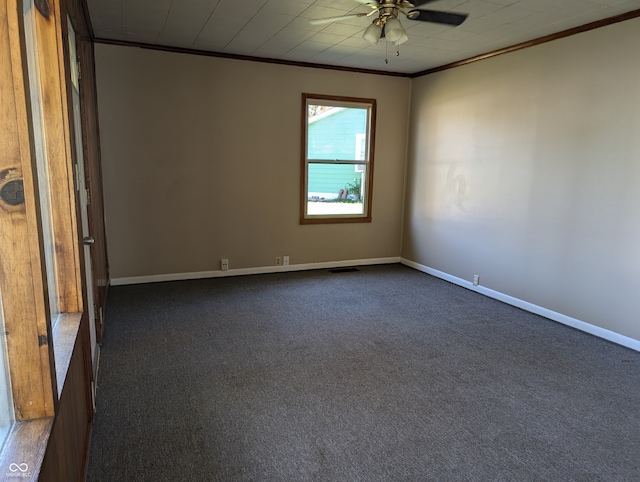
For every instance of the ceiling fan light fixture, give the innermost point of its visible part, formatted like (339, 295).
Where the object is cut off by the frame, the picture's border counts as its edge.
(373, 32)
(402, 39)
(393, 30)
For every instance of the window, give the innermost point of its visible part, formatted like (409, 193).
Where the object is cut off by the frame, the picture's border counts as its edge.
(337, 159)
(6, 403)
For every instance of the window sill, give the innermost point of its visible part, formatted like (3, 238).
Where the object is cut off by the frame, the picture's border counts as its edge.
(24, 450)
(27, 442)
(64, 339)
(329, 220)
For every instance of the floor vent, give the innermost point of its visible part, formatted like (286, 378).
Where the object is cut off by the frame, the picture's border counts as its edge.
(343, 270)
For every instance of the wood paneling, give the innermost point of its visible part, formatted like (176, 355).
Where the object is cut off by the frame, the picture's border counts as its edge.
(67, 451)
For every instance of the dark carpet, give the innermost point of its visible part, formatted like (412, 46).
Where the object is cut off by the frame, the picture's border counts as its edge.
(380, 374)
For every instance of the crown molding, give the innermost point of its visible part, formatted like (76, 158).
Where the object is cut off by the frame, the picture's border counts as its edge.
(532, 43)
(206, 53)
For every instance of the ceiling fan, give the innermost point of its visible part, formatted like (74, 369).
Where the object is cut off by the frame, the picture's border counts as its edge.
(387, 25)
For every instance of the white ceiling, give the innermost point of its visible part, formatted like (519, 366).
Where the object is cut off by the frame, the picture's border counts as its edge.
(280, 29)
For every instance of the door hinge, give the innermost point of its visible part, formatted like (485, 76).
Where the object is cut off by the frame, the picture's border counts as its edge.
(76, 177)
(93, 396)
(88, 195)
(79, 70)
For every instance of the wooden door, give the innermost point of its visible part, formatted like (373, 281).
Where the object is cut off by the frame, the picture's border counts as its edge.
(93, 174)
(84, 115)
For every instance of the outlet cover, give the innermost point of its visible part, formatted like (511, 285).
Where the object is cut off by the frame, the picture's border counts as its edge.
(285, 260)
(476, 279)
(224, 264)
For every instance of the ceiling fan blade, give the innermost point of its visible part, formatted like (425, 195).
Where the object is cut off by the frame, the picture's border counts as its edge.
(447, 18)
(418, 3)
(324, 21)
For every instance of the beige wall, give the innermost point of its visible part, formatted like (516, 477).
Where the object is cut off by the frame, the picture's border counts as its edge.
(525, 169)
(201, 160)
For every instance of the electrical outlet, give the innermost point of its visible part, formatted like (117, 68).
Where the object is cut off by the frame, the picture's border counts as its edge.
(278, 261)
(476, 279)
(285, 260)
(224, 264)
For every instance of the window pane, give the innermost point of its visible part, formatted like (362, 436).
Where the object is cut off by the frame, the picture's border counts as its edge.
(337, 159)
(335, 189)
(6, 403)
(337, 133)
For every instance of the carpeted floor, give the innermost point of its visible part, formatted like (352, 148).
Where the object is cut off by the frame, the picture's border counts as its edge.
(382, 374)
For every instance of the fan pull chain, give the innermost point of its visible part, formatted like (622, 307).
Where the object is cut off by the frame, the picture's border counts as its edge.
(386, 53)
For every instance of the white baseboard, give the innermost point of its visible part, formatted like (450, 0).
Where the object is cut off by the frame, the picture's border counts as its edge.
(247, 271)
(525, 305)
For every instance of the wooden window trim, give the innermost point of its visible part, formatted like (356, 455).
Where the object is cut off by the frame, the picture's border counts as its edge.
(303, 156)
(51, 62)
(23, 287)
